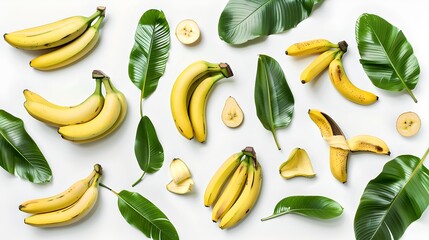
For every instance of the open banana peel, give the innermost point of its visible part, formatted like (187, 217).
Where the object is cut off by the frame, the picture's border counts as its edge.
(182, 182)
(297, 164)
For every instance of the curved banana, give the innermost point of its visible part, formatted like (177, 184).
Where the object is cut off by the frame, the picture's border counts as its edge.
(344, 86)
(70, 214)
(105, 120)
(220, 177)
(368, 143)
(231, 192)
(197, 106)
(56, 115)
(247, 198)
(318, 65)
(53, 34)
(310, 47)
(180, 90)
(71, 52)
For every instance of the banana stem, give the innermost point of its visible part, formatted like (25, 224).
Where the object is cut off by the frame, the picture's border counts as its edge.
(98, 23)
(139, 180)
(96, 14)
(106, 187)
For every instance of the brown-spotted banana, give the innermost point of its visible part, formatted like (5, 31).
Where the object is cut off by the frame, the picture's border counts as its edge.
(368, 143)
(181, 182)
(310, 47)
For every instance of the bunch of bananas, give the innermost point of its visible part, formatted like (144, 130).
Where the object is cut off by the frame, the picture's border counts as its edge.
(331, 55)
(235, 188)
(71, 38)
(189, 96)
(67, 207)
(92, 119)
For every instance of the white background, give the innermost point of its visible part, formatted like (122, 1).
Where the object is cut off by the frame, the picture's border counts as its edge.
(334, 20)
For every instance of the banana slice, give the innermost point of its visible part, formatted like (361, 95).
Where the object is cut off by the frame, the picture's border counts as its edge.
(232, 115)
(179, 171)
(408, 124)
(188, 32)
(181, 188)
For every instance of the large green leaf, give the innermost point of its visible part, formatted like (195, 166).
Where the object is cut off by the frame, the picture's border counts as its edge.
(19, 154)
(149, 55)
(386, 55)
(145, 216)
(244, 20)
(273, 98)
(393, 200)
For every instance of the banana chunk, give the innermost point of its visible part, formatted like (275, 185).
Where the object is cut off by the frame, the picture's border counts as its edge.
(232, 115)
(188, 32)
(408, 124)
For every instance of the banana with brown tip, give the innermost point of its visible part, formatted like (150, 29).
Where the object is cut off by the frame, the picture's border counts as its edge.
(368, 143)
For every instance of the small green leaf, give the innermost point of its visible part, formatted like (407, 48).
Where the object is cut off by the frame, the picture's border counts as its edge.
(309, 206)
(273, 98)
(19, 154)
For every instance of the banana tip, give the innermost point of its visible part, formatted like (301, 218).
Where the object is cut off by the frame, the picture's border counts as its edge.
(303, 82)
(286, 52)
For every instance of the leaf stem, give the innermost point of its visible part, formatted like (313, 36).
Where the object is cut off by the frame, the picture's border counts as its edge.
(141, 104)
(139, 180)
(412, 94)
(425, 155)
(274, 216)
(102, 185)
(275, 139)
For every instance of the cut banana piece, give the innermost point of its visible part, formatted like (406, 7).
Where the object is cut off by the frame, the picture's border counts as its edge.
(182, 187)
(179, 171)
(232, 115)
(188, 32)
(297, 164)
(408, 124)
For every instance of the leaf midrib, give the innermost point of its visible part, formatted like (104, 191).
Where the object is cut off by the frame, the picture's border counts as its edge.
(251, 14)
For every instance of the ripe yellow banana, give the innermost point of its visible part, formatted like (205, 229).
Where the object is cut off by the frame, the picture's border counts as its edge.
(197, 106)
(71, 52)
(70, 214)
(55, 115)
(368, 143)
(53, 34)
(318, 65)
(220, 177)
(180, 91)
(344, 86)
(61, 200)
(310, 47)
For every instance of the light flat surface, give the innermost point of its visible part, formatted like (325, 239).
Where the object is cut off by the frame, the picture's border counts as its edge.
(334, 20)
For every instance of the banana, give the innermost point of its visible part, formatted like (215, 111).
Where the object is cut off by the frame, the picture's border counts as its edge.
(310, 47)
(232, 115)
(71, 52)
(297, 164)
(338, 163)
(105, 120)
(247, 198)
(181, 188)
(231, 192)
(197, 106)
(180, 91)
(179, 171)
(61, 200)
(70, 214)
(53, 34)
(318, 65)
(220, 177)
(188, 32)
(345, 87)
(408, 124)
(368, 143)
(55, 115)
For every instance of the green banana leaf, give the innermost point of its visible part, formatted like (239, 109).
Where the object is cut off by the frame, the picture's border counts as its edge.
(147, 148)
(145, 216)
(310, 206)
(244, 20)
(273, 98)
(386, 55)
(19, 154)
(393, 200)
(149, 54)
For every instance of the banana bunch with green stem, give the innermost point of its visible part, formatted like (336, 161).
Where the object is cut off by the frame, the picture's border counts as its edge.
(189, 96)
(69, 40)
(234, 188)
(330, 58)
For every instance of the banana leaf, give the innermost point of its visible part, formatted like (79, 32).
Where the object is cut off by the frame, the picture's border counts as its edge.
(244, 20)
(386, 55)
(393, 200)
(273, 98)
(19, 154)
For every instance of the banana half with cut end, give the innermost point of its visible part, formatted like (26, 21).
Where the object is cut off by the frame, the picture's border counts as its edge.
(182, 182)
(232, 115)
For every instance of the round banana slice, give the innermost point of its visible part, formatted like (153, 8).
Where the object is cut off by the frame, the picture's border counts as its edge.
(408, 124)
(188, 32)
(232, 115)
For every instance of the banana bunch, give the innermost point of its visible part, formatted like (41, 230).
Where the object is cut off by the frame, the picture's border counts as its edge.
(234, 188)
(66, 207)
(340, 147)
(189, 96)
(330, 57)
(70, 38)
(92, 119)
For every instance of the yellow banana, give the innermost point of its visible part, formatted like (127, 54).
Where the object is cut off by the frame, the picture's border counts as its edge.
(310, 47)
(180, 90)
(70, 214)
(182, 187)
(344, 86)
(179, 170)
(71, 52)
(53, 34)
(220, 177)
(61, 200)
(338, 163)
(368, 143)
(56, 115)
(318, 65)
(231, 192)
(197, 106)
